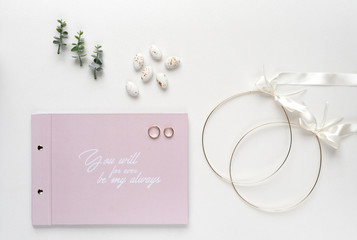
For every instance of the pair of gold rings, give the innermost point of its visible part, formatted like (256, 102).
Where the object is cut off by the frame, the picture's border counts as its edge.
(154, 132)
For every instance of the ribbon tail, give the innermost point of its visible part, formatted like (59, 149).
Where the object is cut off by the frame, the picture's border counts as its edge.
(333, 135)
(316, 79)
(290, 104)
(300, 91)
(330, 139)
(333, 123)
(344, 130)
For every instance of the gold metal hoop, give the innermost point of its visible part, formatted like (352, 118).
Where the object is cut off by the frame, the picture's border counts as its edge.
(273, 209)
(151, 135)
(204, 149)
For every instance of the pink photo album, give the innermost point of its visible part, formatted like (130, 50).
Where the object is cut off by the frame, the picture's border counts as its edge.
(109, 169)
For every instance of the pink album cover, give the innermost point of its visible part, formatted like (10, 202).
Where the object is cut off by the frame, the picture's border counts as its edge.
(106, 169)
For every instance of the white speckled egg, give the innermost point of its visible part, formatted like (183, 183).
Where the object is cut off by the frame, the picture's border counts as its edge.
(138, 61)
(146, 74)
(161, 79)
(172, 62)
(132, 89)
(155, 53)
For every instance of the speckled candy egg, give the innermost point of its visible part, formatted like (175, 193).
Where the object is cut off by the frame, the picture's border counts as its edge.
(172, 62)
(161, 79)
(132, 89)
(155, 53)
(146, 74)
(138, 61)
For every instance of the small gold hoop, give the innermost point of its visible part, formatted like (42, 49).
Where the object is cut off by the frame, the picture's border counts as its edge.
(153, 135)
(169, 132)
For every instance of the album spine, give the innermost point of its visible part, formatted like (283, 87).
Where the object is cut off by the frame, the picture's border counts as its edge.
(41, 169)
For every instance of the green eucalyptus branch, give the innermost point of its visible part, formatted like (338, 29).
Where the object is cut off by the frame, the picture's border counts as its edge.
(97, 63)
(62, 35)
(79, 48)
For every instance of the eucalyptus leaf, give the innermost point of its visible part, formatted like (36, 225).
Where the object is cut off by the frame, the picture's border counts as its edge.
(79, 47)
(62, 35)
(97, 61)
(96, 65)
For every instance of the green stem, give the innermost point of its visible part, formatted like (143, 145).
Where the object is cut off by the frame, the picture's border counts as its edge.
(78, 51)
(59, 45)
(95, 74)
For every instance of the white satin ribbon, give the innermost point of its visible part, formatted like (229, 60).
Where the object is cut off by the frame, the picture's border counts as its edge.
(270, 87)
(331, 132)
(316, 79)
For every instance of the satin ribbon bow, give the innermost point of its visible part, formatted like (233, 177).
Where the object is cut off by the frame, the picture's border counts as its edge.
(270, 87)
(329, 132)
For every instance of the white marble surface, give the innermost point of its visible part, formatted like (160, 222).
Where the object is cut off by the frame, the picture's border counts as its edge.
(223, 46)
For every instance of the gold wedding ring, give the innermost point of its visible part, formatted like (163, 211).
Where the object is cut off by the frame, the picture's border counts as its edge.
(154, 132)
(169, 132)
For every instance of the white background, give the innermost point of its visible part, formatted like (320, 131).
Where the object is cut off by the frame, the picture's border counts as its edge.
(223, 45)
